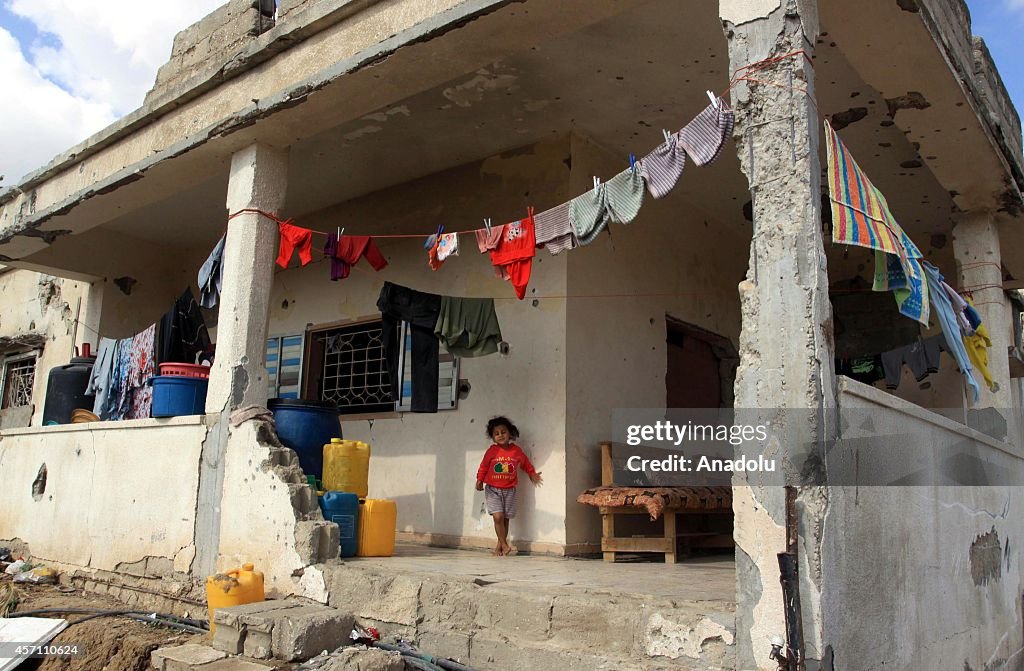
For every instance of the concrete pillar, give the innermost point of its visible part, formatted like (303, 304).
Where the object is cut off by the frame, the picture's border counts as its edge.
(239, 377)
(786, 373)
(979, 263)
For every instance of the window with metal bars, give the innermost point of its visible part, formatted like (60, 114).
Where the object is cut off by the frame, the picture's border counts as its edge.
(346, 365)
(18, 379)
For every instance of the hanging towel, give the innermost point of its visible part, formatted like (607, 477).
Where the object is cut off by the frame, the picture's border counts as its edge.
(588, 214)
(946, 315)
(468, 327)
(705, 136)
(292, 238)
(977, 350)
(861, 216)
(553, 230)
(346, 252)
(211, 276)
(101, 379)
(624, 194)
(515, 252)
(662, 167)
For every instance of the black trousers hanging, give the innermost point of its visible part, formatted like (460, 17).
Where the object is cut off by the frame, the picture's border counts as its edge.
(399, 304)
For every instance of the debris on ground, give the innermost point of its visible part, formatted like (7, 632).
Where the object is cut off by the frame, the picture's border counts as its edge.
(108, 643)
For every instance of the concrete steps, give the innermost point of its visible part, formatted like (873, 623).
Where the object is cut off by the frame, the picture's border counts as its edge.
(511, 626)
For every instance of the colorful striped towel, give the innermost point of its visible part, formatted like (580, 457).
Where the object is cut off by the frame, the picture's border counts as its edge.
(861, 216)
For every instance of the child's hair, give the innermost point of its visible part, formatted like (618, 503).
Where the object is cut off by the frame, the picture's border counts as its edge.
(495, 422)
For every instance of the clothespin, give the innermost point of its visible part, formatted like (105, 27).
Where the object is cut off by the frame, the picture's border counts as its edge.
(597, 183)
(712, 98)
(440, 230)
(632, 162)
(339, 233)
(487, 225)
(668, 136)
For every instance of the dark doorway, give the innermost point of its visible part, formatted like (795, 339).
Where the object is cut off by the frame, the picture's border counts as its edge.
(701, 367)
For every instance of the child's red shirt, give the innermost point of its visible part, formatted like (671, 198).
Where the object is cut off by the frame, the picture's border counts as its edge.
(499, 467)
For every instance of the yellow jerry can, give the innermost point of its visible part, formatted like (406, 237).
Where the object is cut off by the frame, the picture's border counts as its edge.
(347, 467)
(233, 588)
(378, 521)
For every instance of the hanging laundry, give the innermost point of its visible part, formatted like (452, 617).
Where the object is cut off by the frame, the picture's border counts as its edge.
(515, 252)
(292, 238)
(705, 136)
(468, 327)
(447, 245)
(137, 398)
(865, 369)
(920, 363)
(977, 346)
(489, 241)
(950, 328)
(346, 252)
(101, 379)
(588, 214)
(182, 334)
(861, 216)
(973, 318)
(624, 194)
(553, 230)
(442, 246)
(400, 304)
(211, 276)
(960, 307)
(662, 167)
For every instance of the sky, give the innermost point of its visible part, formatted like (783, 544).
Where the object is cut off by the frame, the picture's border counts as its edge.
(71, 68)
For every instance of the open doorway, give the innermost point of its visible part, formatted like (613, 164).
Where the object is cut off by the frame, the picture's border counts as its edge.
(701, 367)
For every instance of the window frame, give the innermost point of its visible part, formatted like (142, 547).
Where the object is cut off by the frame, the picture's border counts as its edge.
(9, 359)
(302, 361)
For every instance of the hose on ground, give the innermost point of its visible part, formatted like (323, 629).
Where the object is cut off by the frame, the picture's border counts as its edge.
(163, 619)
(413, 655)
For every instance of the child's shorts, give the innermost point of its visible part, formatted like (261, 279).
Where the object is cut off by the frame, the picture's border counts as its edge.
(500, 500)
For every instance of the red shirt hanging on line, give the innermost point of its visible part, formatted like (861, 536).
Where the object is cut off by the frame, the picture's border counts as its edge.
(293, 237)
(499, 467)
(514, 253)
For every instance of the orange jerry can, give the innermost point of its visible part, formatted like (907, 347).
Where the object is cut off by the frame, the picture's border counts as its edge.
(233, 588)
(378, 521)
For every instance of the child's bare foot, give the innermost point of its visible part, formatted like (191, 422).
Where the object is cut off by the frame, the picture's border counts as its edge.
(506, 550)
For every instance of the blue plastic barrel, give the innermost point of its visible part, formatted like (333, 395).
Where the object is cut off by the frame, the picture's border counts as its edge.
(175, 395)
(306, 426)
(342, 508)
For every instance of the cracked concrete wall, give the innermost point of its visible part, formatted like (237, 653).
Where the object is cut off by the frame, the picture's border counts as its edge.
(786, 344)
(118, 497)
(37, 313)
(922, 577)
(428, 462)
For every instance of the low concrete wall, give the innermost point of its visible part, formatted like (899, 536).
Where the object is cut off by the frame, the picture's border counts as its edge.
(932, 575)
(118, 496)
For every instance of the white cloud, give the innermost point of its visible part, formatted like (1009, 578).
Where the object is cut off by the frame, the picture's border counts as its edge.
(104, 57)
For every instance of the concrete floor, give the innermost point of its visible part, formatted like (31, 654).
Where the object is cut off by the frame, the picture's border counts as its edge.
(697, 579)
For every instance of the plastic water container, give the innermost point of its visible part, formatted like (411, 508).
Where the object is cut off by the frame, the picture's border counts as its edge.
(65, 390)
(378, 520)
(174, 395)
(347, 466)
(342, 508)
(233, 588)
(305, 426)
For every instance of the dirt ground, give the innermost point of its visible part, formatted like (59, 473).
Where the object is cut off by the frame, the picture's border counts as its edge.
(111, 643)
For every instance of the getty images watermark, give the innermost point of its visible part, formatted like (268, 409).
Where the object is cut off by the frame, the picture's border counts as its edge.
(845, 447)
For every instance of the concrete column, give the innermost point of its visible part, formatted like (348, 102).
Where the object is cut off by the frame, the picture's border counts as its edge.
(239, 377)
(786, 373)
(979, 262)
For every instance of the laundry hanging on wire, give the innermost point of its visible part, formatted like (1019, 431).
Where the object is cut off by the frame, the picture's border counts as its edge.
(511, 246)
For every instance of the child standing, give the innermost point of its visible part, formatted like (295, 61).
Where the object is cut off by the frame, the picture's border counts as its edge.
(497, 477)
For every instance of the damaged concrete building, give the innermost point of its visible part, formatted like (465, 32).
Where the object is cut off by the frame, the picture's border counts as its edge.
(389, 117)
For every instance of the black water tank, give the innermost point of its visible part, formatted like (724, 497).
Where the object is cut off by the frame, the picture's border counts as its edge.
(65, 390)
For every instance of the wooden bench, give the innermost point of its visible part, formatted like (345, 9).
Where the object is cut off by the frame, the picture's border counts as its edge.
(684, 501)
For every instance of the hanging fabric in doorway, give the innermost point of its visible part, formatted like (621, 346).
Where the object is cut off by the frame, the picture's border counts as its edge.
(861, 217)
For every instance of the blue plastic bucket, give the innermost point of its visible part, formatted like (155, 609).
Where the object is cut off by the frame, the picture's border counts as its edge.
(306, 426)
(342, 508)
(174, 395)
